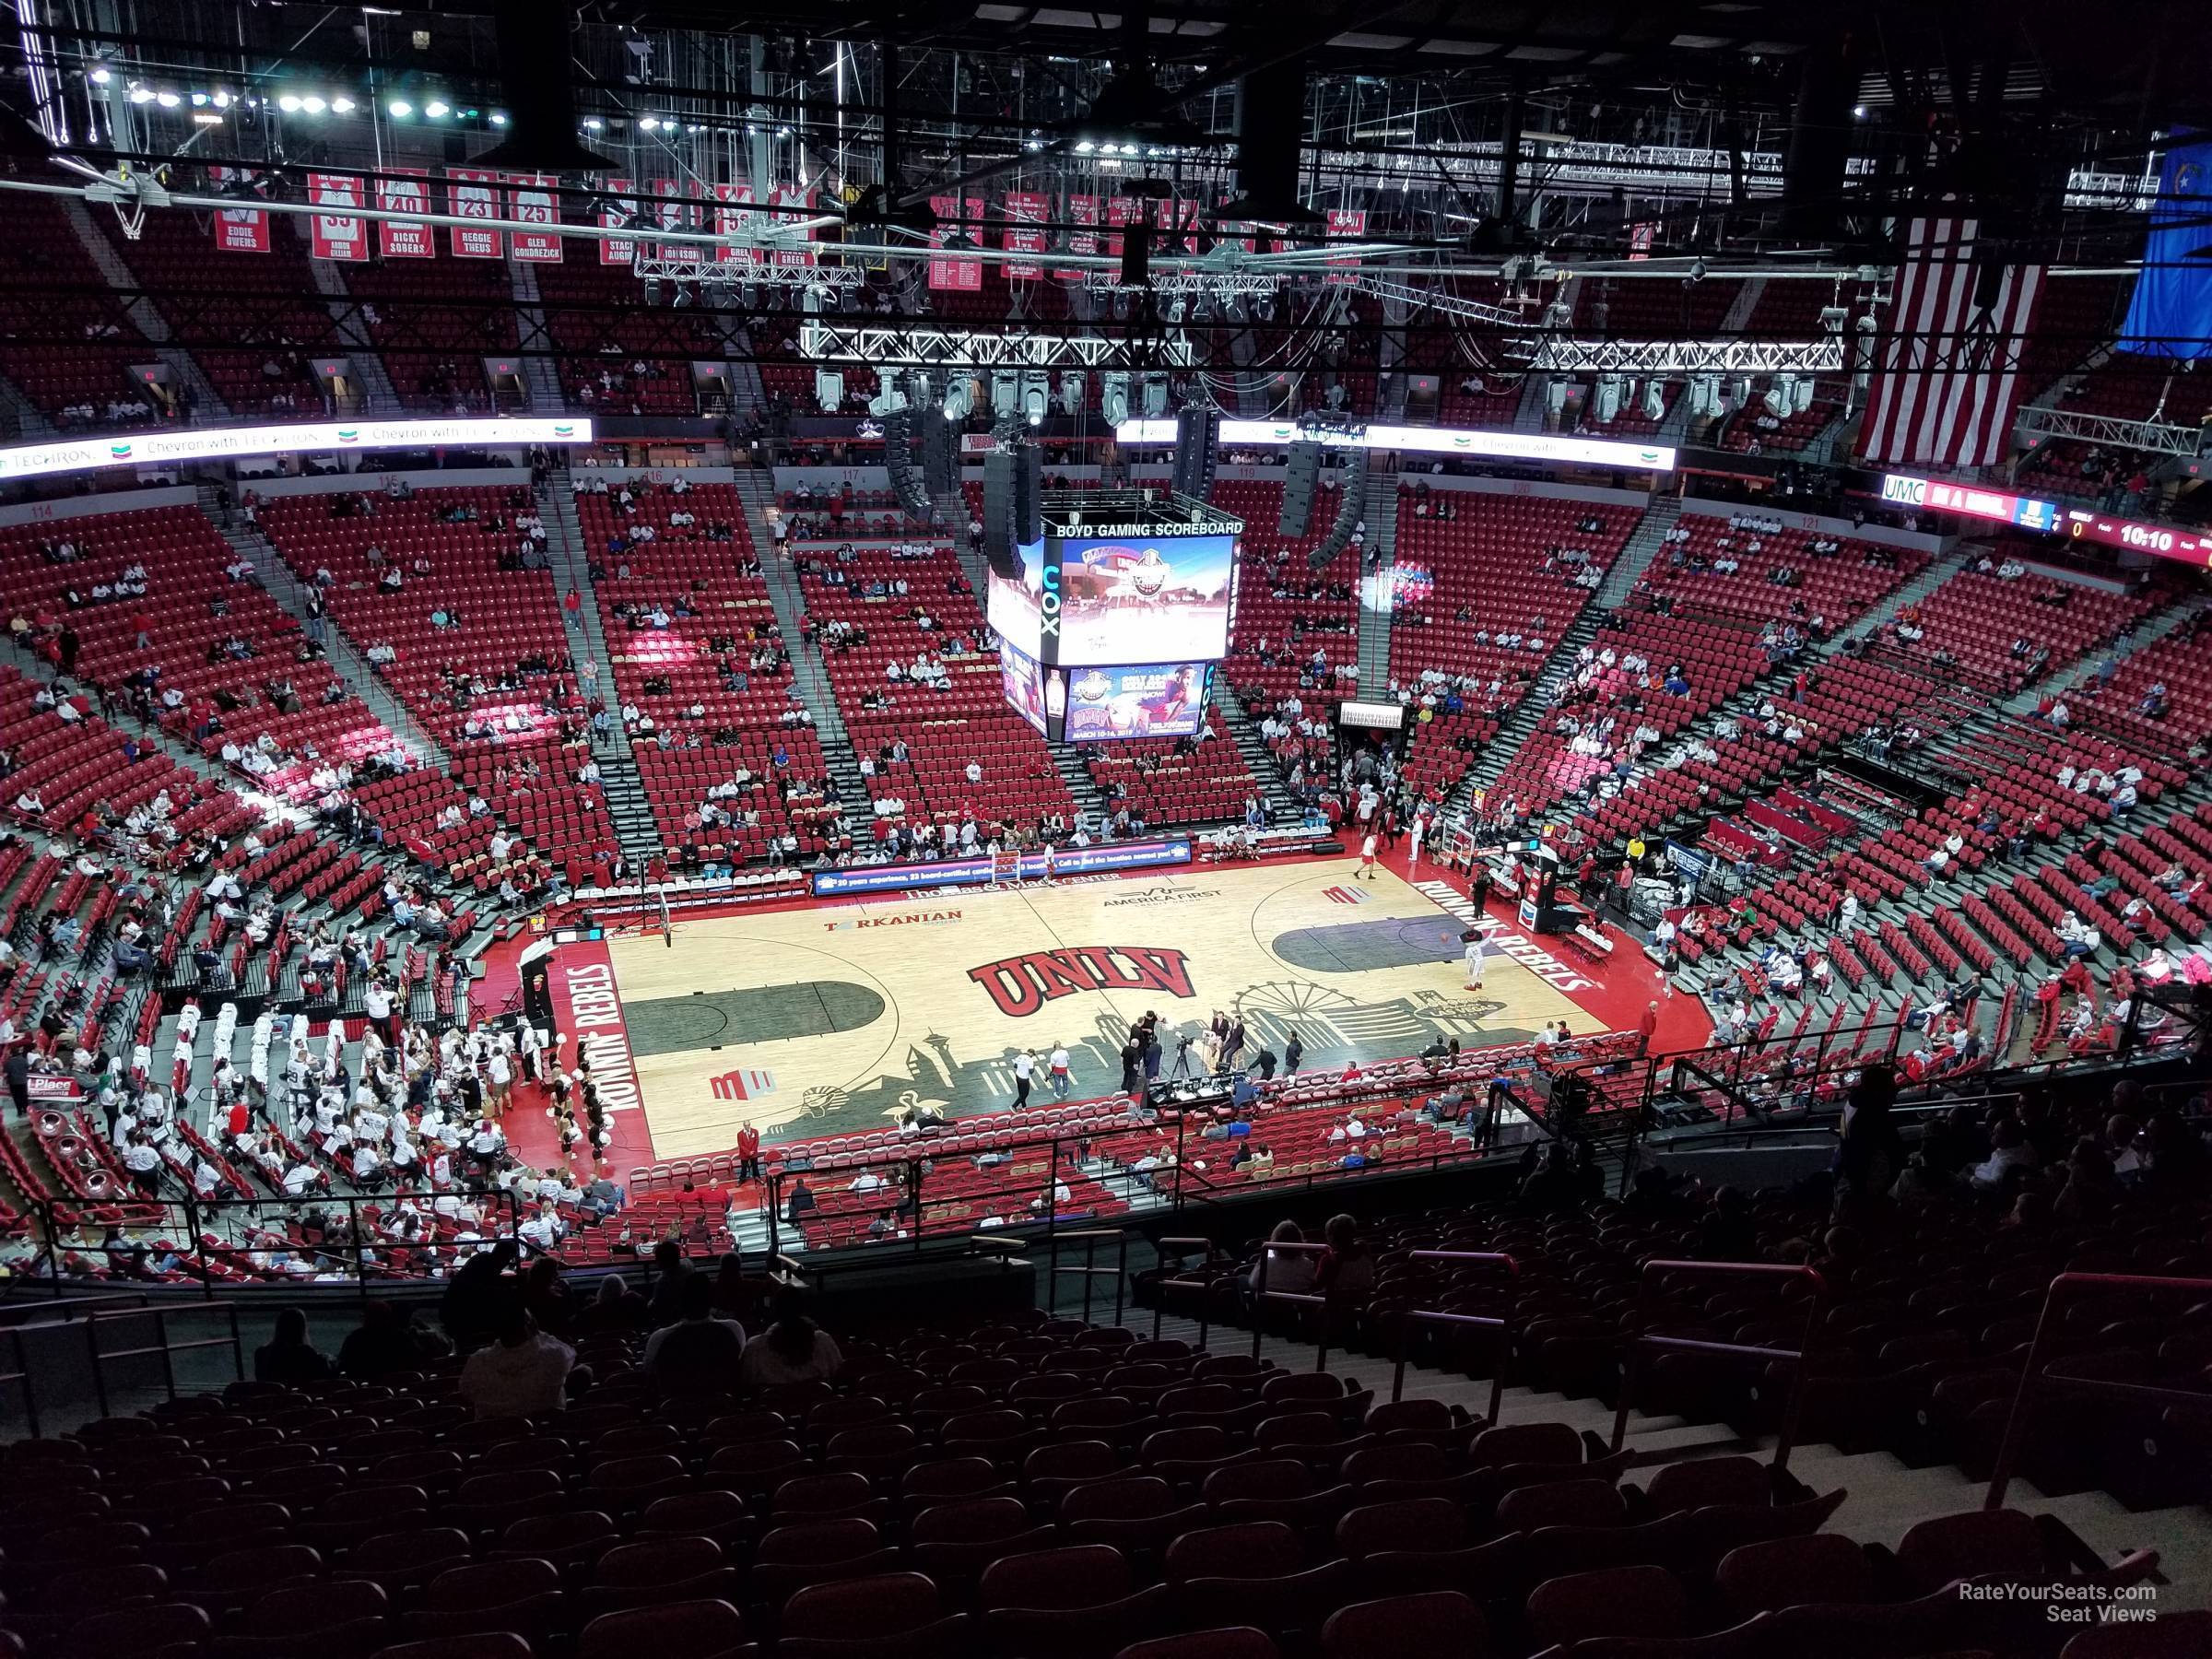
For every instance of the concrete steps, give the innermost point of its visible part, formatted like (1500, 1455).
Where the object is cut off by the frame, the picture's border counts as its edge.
(376, 385)
(635, 831)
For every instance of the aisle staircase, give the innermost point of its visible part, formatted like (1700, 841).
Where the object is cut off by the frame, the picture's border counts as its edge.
(539, 376)
(279, 583)
(149, 322)
(756, 488)
(626, 807)
(368, 367)
(1628, 569)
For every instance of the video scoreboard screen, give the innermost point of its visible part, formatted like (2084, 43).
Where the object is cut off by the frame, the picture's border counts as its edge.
(1111, 634)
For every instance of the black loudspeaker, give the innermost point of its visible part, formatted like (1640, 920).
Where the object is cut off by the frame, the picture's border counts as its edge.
(1297, 489)
(1271, 112)
(1029, 495)
(1351, 502)
(1196, 432)
(899, 460)
(998, 510)
(940, 473)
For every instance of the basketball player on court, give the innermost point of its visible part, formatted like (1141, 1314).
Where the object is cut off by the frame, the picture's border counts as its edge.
(1473, 961)
(1367, 856)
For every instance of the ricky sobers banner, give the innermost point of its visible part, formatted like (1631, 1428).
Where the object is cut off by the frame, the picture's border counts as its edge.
(406, 192)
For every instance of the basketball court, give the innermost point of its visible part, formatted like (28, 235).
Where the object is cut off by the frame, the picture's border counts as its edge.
(839, 1018)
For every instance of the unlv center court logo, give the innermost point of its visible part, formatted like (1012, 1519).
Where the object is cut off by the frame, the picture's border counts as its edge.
(1020, 985)
(744, 1085)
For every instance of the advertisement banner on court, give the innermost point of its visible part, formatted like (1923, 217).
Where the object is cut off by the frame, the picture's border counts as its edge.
(974, 871)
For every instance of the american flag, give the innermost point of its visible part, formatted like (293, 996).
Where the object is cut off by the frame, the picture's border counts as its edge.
(1947, 374)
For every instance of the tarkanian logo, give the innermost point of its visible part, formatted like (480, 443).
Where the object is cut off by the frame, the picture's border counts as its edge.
(1342, 895)
(907, 919)
(1022, 984)
(121, 452)
(744, 1085)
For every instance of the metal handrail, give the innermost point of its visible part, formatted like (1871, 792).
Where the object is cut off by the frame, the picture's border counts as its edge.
(1639, 1343)
(1507, 1329)
(1261, 1295)
(2032, 1380)
(1162, 1285)
(20, 1377)
(162, 1344)
(1089, 1270)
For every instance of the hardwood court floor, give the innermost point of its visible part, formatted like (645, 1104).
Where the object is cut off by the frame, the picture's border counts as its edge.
(816, 1021)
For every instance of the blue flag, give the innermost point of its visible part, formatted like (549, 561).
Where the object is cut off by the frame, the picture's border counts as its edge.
(2171, 315)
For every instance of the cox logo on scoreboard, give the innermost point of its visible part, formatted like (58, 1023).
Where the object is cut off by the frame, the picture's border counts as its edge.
(1050, 604)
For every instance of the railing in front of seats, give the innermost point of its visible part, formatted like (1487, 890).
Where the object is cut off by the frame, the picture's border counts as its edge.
(1641, 1343)
(1181, 1248)
(2033, 1381)
(1506, 1329)
(1090, 1271)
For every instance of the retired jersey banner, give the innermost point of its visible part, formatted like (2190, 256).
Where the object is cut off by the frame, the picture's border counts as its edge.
(532, 200)
(1186, 220)
(239, 229)
(795, 202)
(1345, 222)
(1081, 210)
(735, 216)
(336, 235)
(474, 196)
(949, 271)
(617, 211)
(1025, 234)
(406, 192)
(671, 214)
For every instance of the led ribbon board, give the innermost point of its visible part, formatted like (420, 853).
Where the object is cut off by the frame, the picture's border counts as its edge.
(220, 444)
(1426, 440)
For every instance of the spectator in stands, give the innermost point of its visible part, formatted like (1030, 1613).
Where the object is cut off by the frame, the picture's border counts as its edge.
(524, 1372)
(1346, 1270)
(1872, 1152)
(287, 1357)
(2010, 1150)
(388, 1340)
(793, 1348)
(1288, 1271)
(700, 1353)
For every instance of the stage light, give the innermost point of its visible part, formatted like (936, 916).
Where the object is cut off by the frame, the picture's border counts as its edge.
(168, 101)
(652, 123)
(1084, 146)
(101, 77)
(783, 132)
(207, 118)
(437, 108)
(591, 123)
(313, 104)
(1033, 144)
(1860, 110)
(343, 105)
(141, 95)
(199, 100)
(290, 103)
(400, 108)
(499, 118)
(221, 98)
